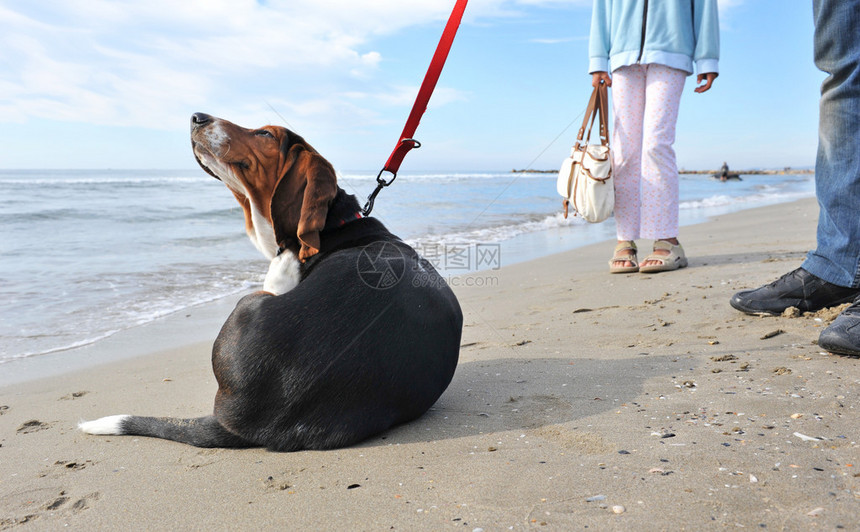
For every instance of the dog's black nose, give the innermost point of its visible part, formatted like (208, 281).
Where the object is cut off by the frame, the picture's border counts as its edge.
(200, 119)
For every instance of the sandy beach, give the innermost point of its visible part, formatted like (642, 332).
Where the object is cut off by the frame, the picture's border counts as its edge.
(582, 400)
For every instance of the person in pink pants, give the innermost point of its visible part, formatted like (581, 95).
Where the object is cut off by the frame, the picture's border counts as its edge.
(650, 48)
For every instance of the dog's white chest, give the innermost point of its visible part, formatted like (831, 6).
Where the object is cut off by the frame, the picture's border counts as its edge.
(263, 236)
(283, 273)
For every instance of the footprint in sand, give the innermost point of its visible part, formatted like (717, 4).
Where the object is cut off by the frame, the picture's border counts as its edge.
(3, 409)
(75, 466)
(59, 501)
(84, 502)
(73, 395)
(9, 522)
(37, 503)
(81, 504)
(34, 425)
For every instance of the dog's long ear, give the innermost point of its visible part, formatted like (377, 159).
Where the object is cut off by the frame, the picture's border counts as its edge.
(320, 191)
(301, 199)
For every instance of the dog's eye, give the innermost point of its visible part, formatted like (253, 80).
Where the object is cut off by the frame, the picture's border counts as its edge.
(264, 133)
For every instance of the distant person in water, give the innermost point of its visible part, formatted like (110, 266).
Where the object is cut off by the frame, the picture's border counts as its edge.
(650, 49)
(724, 172)
(830, 275)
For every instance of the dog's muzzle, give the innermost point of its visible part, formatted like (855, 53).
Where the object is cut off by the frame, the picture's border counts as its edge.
(199, 121)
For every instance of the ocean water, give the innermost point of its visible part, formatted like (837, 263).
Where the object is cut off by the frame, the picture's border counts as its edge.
(85, 254)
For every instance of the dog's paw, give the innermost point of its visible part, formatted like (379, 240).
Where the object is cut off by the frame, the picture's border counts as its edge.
(104, 426)
(283, 274)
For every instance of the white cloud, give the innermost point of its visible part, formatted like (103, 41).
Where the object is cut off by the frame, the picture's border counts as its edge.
(131, 63)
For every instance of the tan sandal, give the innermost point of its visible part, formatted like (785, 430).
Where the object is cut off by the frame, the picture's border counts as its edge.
(627, 245)
(673, 261)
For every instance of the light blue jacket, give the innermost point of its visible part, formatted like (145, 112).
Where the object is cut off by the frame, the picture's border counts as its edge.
(677, 33)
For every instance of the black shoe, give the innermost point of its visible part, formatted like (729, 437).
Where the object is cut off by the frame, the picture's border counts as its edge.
(843, 335)
(798, 289)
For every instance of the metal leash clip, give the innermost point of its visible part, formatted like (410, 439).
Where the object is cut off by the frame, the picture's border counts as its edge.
(382, 183)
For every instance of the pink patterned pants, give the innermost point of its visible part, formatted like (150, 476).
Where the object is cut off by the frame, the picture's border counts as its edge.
(645, 101)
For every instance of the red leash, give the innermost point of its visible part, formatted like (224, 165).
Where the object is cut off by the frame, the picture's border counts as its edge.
(406, 141)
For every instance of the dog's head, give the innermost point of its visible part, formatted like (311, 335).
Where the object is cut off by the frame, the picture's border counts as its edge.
(278, 178)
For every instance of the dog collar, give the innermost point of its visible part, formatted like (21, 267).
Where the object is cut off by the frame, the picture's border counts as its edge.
(340, 223)
(355, 216)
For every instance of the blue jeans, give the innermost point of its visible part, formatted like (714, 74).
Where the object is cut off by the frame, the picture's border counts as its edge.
(837, 167)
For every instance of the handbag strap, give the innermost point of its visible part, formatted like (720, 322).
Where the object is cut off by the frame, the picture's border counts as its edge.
(597, 110)
(590, 113)
(604, 114)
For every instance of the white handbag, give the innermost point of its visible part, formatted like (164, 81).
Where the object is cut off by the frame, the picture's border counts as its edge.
(585, 178)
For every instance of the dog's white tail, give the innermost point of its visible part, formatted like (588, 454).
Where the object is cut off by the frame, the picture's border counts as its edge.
(104, 426)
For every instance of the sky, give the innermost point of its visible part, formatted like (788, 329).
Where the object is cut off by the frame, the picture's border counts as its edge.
(96, 84)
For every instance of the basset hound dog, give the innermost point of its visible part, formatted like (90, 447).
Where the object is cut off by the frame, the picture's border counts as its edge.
(353, 332)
